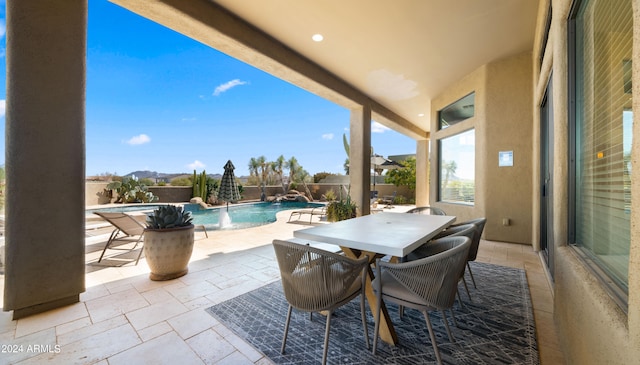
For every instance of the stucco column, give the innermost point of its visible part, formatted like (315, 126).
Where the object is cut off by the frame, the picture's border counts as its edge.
(360, 158)
(46, 52)
(422, 173)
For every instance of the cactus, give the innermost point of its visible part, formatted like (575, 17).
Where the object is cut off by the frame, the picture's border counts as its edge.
(194, 185)
(200, 187)
(203, 186)
(169, 216)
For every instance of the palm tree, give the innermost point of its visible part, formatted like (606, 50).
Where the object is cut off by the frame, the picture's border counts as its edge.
(450, 170)
(294, 167)
(277, 166)
(253, 168)
(263, 166)
(302, 175)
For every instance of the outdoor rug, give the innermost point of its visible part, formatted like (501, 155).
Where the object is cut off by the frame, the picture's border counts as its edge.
(496, 327)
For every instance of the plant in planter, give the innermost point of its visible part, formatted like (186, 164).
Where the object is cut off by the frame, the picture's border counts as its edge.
(168, 242)
(340, 210)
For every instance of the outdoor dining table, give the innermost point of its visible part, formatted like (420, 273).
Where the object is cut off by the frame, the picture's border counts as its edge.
(376, 235)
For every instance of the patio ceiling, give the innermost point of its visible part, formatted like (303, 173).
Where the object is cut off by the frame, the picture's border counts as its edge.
(399, 54)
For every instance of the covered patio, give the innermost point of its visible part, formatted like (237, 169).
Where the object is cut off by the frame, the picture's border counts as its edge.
(518, 60)
(123, 317)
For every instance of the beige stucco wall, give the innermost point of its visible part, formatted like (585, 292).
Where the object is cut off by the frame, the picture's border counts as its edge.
(508, 127)
(95, 192)
(502, 122)
(592, 327)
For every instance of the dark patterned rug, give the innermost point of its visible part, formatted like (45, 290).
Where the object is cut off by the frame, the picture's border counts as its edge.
(496, 327)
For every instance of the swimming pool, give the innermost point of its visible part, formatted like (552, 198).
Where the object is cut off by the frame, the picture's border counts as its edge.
(125, 208)
(244, 215)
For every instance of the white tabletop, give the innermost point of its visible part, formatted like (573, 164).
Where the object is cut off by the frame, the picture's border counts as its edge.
(395, 234)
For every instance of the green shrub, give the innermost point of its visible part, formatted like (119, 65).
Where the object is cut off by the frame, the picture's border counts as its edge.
(400, 199)
(146, 181)
(181, 181)
(340, 210)
(330, 195)
(320, 176)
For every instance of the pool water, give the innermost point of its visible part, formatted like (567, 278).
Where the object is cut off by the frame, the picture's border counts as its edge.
(245, 215)
(125, 208)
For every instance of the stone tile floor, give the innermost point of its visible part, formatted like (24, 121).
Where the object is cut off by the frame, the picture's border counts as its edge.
(125, 318)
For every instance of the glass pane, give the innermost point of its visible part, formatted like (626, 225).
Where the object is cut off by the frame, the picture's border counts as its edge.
(457, 168)
(603, 135)
(457, 112)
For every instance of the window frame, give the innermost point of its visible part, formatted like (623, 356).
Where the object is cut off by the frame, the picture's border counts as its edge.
(441, 127)
(439, 187)
(609, 284)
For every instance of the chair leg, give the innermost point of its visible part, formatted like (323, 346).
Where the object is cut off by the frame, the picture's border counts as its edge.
(455, 323)
(459, 298)
(376, 332)
(467, 289)
(446, 325)
(364, 319)
(111, 238)
(401, 311)
(141, 249)
(471, 273)
(326, 339)
(286, 329)
(139, 255)
(433, 338)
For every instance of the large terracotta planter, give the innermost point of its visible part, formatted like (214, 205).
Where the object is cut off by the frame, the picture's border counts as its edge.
(168, 251)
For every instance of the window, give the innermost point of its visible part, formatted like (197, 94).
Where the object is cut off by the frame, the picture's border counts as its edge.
(457, 168)
(600, 53)
(457, 112)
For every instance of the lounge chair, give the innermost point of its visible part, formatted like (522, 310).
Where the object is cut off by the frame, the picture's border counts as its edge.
(388, 200)
(321, 211)
(128, 229)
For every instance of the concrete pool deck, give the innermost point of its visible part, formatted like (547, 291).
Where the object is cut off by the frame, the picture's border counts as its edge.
(125, 318)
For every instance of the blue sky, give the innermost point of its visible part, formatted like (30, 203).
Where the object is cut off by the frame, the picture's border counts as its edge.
(157, 100)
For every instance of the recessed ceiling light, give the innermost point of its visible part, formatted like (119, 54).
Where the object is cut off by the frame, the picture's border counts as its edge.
(421, 115)
(317, 37)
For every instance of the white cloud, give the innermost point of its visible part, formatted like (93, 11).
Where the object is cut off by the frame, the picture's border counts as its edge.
(188, 119)
(3, 28)
(196, 165)
(228, 85)
(141, 139)
(327, 136)
(2, 107)
(378, 128)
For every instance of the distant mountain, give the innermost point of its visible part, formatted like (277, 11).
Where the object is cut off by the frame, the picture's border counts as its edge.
(164, 176)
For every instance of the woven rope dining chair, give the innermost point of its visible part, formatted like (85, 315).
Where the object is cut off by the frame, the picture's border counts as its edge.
(479, 224)
(475, 244)
(315, 280)
(428, 249)
(426, 284)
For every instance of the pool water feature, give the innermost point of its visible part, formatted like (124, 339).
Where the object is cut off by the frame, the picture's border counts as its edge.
(244, 215)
